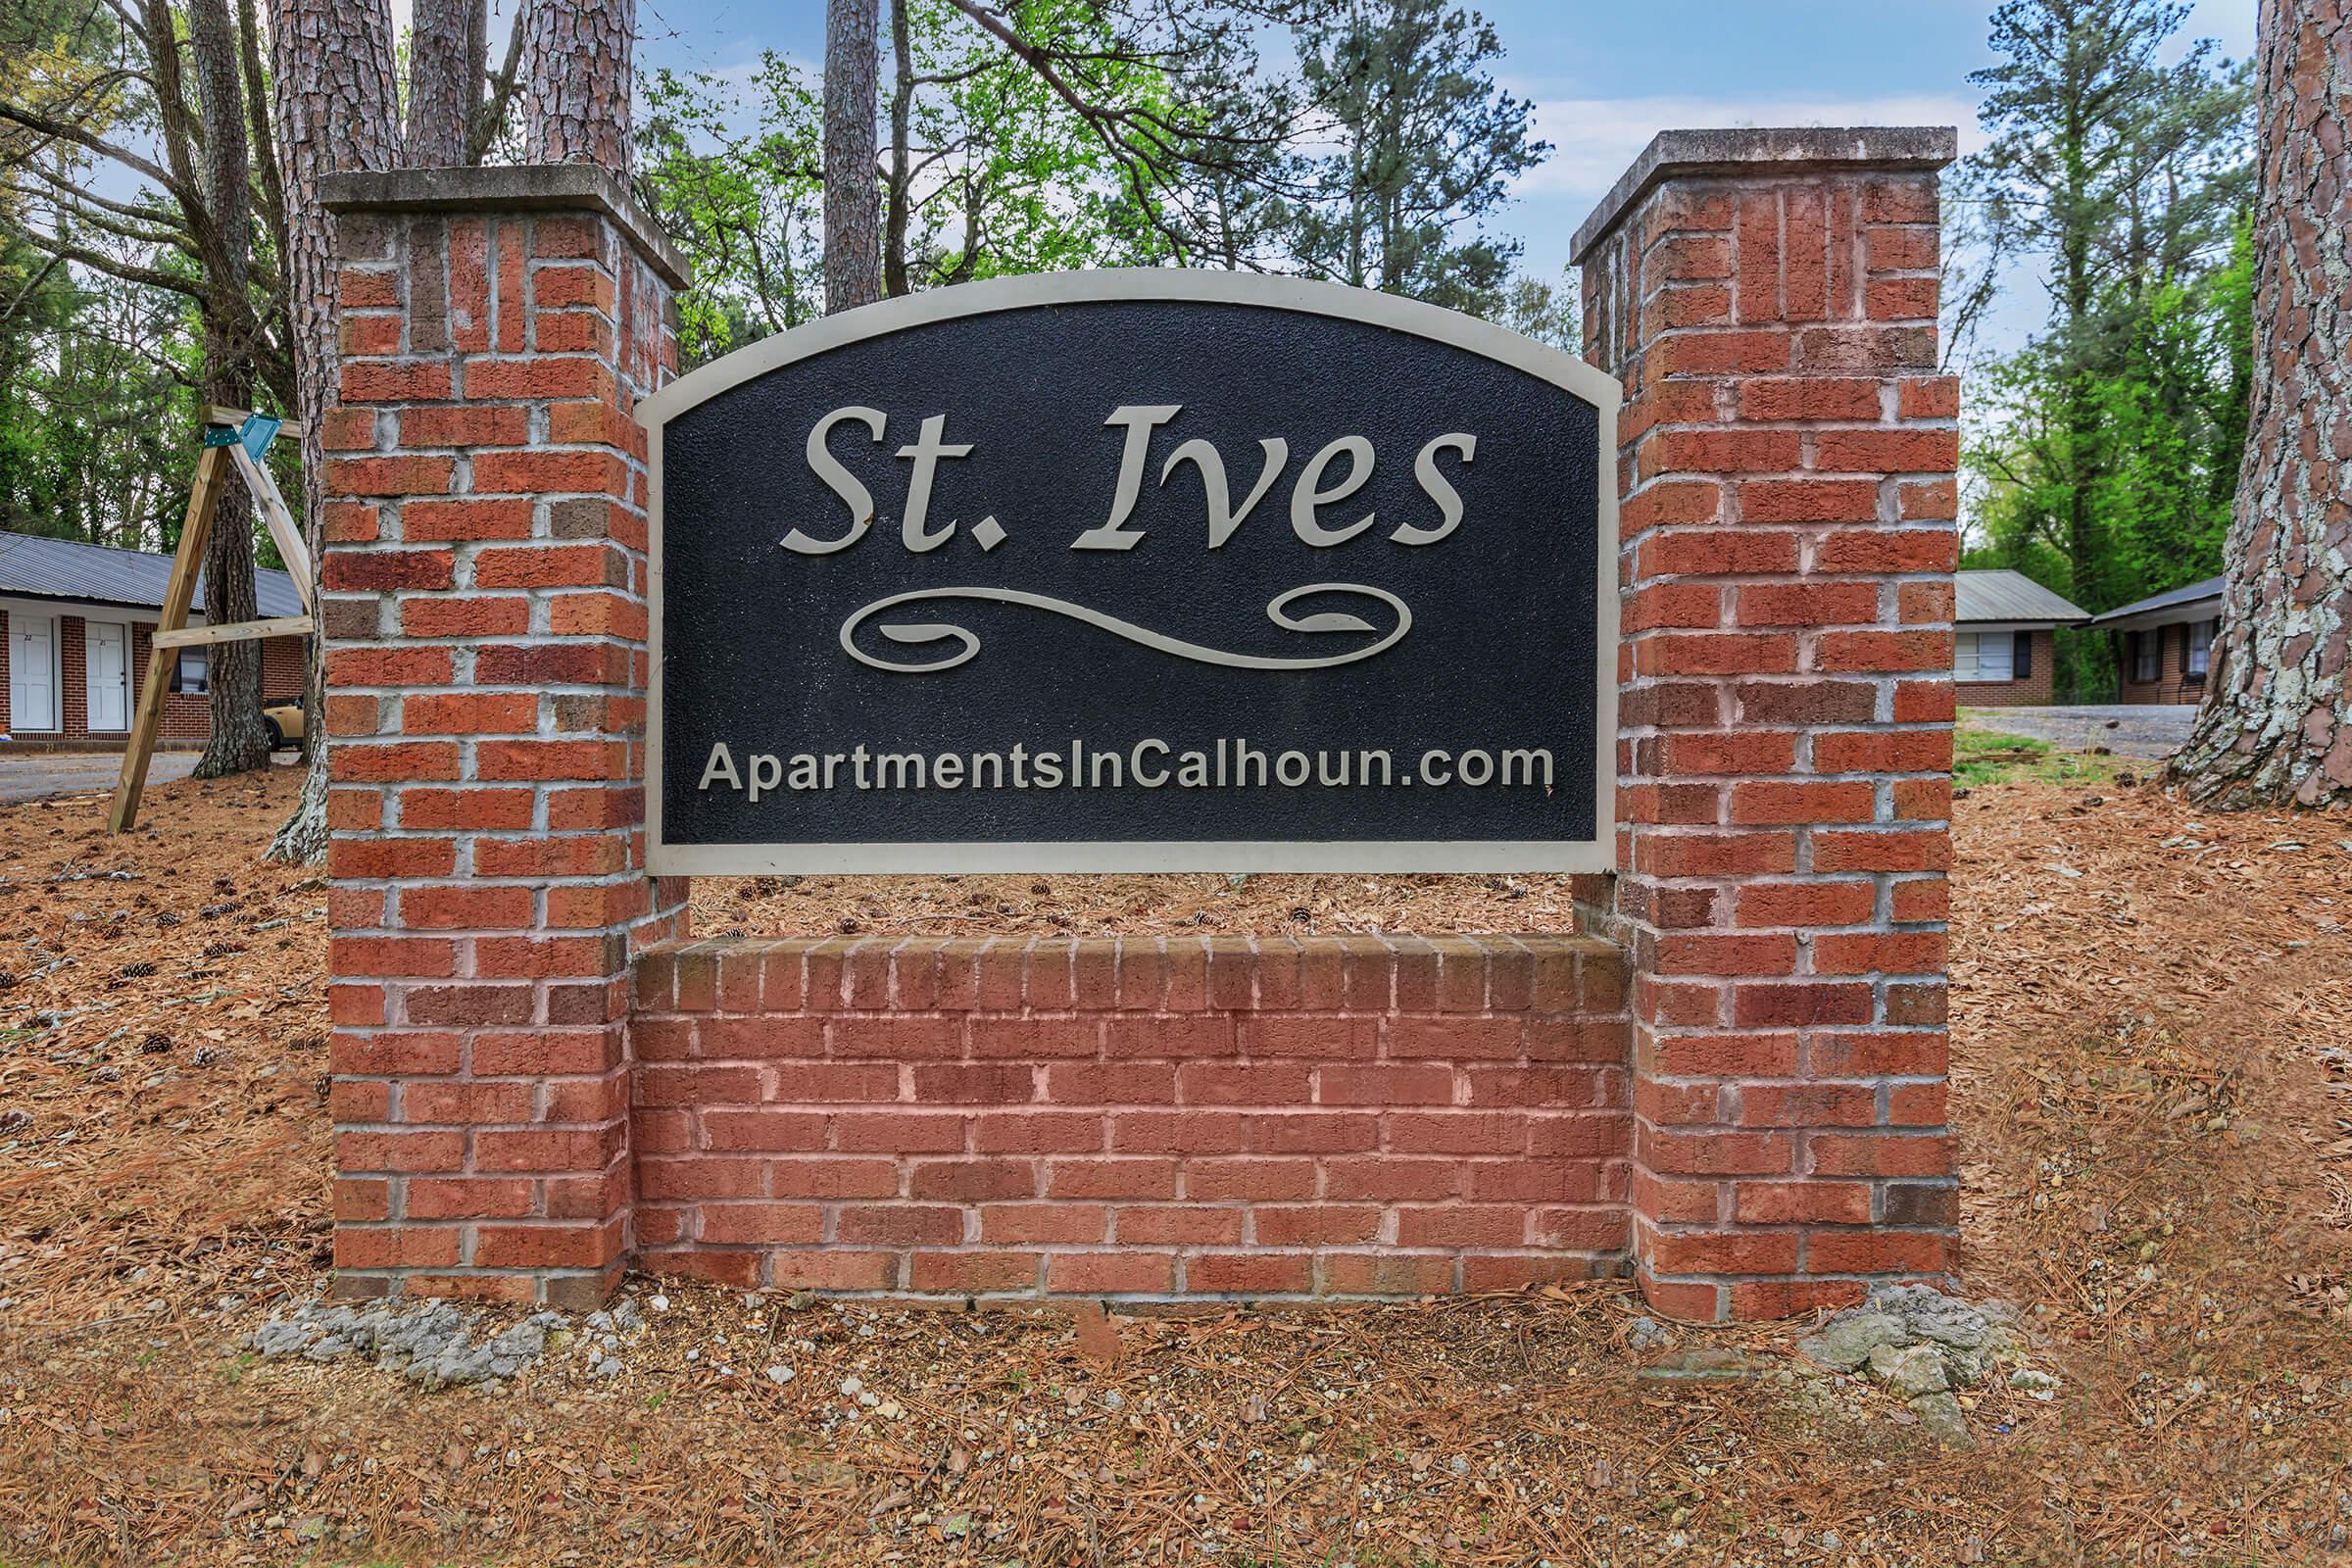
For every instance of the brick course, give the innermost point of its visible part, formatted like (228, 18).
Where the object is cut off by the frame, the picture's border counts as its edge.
(1787, 478)
(1147, 1118)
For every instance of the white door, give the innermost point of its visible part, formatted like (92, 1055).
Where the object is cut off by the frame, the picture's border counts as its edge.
(108, 650)
(31, 671)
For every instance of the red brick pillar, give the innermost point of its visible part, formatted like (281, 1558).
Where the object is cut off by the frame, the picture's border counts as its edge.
(1786, 468)
(486, 582)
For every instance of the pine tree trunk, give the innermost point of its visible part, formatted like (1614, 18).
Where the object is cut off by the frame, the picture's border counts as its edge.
(853, 194)
(239, 740)
(2275, 727)
(576, 97)
(337, 108)
(901, 181)
(448, 55)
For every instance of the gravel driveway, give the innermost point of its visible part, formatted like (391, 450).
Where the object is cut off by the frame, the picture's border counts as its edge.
(2140, 730)
(36, 774)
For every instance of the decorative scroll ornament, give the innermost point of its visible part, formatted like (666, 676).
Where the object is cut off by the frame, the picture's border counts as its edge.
(916, 633)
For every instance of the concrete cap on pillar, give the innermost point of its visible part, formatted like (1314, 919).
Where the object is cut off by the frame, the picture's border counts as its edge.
(1755, 151)
(510, 189)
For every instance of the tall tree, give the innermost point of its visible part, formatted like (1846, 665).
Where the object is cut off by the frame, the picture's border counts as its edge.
(576, 95)
(449, 63)
(176, 113)
(742, 193)
(85, 362)
(87, 88)
(2120, 174)
(239, 739)
(1170, 95)
(992, 171)
(853, 188)
(2276, 726)
(1422, 143)
(336, 108)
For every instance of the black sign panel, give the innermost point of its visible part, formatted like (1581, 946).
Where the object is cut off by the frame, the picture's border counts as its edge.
(1135, 570)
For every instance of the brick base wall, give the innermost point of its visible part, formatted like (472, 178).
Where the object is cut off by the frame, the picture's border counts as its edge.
(1253, 1117)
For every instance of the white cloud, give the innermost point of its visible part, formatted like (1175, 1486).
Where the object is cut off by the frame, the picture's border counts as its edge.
(1595, 140)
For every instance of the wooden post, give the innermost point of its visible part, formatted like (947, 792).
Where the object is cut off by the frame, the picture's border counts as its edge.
(194, 533)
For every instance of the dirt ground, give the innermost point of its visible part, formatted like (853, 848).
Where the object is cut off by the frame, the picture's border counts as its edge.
(2153, 1092)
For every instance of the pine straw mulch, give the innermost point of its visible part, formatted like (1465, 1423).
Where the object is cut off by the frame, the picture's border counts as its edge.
(1166, 905)
(2152, 1092)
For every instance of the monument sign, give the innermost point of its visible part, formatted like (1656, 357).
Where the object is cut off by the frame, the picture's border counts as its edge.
(1135, 570)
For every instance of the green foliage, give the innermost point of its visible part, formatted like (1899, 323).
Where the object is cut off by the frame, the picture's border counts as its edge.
(1001, 175)
(1115, 134)
(1421, 142)
(2106, 452)
(1548, 312)
(1015, 178)
(746, 204)
(86, 373)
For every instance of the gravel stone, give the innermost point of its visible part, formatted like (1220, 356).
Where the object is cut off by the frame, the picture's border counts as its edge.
(2040, 1385)
(1911, 1371)
(430, 1342)
(1939, 1414)
(1923, 1343)
(1845, 1342)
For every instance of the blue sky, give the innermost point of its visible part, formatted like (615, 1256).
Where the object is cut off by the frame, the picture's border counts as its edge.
(1606, 76)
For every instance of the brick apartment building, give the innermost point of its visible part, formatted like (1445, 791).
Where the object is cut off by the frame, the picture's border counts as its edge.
(2164, 644)
(2004, 642)
(76, 620)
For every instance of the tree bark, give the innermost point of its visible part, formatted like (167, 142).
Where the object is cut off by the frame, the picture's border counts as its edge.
(2276, 726)
(901, 182)
(576, 98)
(853, 192)
(239, 739)
(449, 54)
(337, 107)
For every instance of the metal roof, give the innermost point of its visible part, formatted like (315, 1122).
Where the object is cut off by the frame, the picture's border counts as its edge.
(40, 567)
(2005, 596)
(2178, 598)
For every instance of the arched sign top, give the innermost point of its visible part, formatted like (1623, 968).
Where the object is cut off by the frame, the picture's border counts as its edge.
(1148, 570)
(1029, 291)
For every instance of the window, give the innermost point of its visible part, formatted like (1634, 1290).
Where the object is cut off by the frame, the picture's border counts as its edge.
(2200, 645)
(1984, 657)
(2144, 651)
(194, 672)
